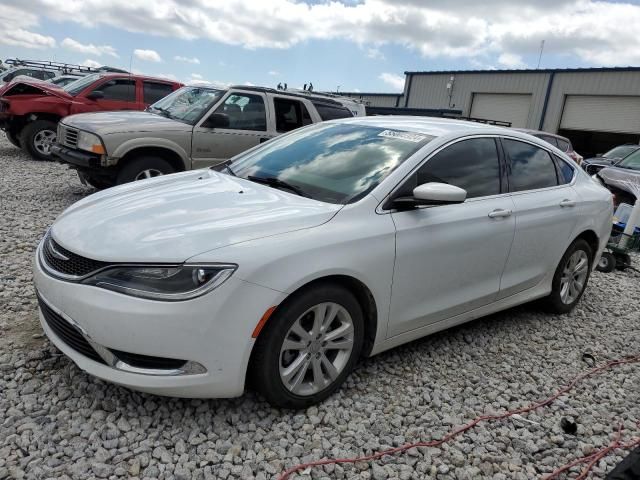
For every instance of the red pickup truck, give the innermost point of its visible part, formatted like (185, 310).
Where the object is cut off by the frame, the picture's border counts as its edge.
(30, 110)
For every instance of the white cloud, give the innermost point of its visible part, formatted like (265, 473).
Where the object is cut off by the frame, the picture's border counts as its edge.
(147, 55)
(17, 29)
(196, 76)
(393, 80)
(180, 58)
(91, 63)
(375, 54)
(511, 60)
(591, 31)
(89, 49)
(168, 76)
(274, 73)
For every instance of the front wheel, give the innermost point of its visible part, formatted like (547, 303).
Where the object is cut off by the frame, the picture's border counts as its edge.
(308, 347)
(37, 138)
(142, 168)
(570, 278)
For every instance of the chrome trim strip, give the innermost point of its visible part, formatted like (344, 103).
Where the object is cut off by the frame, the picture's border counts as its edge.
(189, 368)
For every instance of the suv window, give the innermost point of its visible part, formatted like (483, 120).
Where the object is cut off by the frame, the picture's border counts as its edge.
(290, 114)
(563, 145)
(565, 171)
(470, 164)
(152, 91)
(245, 112)
(531, 166)
(331, 112)
(119, 89)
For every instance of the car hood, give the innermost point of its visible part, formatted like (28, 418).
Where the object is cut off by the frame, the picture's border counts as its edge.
(33, 87)
(172, 218)
(622, 178)
(601, 161)
(105, 123)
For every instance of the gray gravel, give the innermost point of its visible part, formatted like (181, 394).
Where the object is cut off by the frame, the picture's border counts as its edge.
(58, 422)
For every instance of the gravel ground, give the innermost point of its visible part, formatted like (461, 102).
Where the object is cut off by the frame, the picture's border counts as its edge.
(57, 422)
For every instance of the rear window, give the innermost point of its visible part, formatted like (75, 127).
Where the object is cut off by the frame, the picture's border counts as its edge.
(153, 91)
(564, 145)
(565, 171)
(332, 112)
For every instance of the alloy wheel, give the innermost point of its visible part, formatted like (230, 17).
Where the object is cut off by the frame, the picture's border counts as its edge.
(148, 173)
(316, 349)
(574, 277)
(43, 140)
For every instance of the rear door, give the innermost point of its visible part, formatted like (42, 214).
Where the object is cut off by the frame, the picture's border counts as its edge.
(153, 91)
(545, 214)
(289, 113)
(247, 115)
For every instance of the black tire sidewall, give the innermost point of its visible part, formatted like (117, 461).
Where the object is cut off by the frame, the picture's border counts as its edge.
(130, 170)
(554, 301)
(28, 134)
(13, 139)
(265, 374)
(610, 265)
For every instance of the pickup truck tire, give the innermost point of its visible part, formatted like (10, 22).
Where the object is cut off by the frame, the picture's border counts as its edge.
(143, 167)
(98, 183)
(37, 137)
(13, 139)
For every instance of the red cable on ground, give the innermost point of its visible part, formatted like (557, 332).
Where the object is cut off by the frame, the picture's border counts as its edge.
(593, 458)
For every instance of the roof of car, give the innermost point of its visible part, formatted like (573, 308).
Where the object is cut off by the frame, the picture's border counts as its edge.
(540, 132)
(143, 77)
(433, 126)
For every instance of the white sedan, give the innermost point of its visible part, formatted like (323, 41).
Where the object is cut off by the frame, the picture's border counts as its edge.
(335, 241)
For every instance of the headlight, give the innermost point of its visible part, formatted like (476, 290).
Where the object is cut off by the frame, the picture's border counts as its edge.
(90, 142)
(169, 283)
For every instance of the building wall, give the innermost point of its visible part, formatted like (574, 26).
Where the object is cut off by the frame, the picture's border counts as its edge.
(430, 90)
(625, 83)
(376, 100)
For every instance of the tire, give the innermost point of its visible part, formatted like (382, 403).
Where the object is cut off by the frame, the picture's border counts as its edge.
(36, 138)
(323, 370)
(135, 169)
(622, 261)
(13, 139)
(98, 183)
(567, 288)
(607, 263)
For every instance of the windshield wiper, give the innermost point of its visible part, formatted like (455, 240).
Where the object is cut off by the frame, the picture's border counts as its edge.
(276, 182)
(164, 112)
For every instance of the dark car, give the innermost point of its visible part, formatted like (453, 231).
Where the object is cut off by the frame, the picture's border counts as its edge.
(623, 179)
(613, 156)
(563, 143)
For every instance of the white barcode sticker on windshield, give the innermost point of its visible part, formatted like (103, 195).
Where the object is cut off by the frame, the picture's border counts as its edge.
(408, 136)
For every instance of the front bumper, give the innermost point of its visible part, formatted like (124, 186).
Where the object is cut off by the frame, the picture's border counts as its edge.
(77, 158)
(212, 331)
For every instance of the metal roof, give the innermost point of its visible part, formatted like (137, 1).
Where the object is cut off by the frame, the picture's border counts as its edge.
(529, 70)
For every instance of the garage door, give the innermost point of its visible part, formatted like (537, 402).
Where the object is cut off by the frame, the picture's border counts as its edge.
(505, 107)
(601, 114)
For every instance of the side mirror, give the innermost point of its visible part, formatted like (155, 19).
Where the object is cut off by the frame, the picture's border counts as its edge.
(216, 120)
(96, 95)
(432, 193)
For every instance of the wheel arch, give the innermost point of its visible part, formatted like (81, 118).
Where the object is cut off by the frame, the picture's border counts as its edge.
(168, 154)
(592, 239)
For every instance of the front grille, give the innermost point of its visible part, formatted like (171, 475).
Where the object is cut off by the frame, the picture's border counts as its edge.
(67, 136)
(65, 262)
(68, 333)
(145, 361)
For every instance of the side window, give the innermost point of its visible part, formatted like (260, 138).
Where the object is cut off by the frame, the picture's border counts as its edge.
(331, 112)
(152, 91)
(119, 89)
(548, 139)
(563, 145)
(565, 171)
(531, 167)
(42, 74)
(470, 164)
(245, 112)
(290, 114)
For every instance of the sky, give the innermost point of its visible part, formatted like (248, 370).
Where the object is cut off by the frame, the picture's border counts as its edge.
(350, 45)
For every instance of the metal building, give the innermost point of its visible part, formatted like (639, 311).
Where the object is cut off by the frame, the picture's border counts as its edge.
(376, 99)
(597, 108)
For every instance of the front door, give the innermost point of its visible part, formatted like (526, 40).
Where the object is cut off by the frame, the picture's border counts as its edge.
(247, 127)
(449, 258)
(545, 214)
(117, 94)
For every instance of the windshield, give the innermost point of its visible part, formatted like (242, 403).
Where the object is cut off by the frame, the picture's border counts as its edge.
(74, 88)
(187, 104)
(621, 151)
(334, 162)
(631, 161)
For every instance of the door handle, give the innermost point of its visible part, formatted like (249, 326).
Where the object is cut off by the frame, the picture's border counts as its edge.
(567, 203)
(500, 213)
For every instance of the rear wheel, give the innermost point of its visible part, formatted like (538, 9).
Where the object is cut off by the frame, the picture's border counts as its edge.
(309, 347)
(13, 139)
(571, 277)
(142, 168)
(37, 138)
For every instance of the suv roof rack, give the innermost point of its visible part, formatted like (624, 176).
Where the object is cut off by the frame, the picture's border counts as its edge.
(291, 92)
(60, 66)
